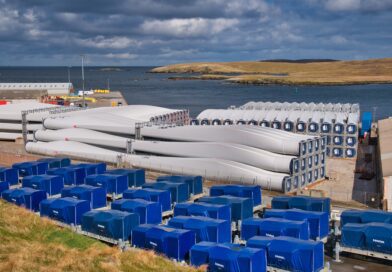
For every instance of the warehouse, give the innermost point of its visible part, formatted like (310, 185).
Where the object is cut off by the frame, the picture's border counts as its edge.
(385, 157)
(33, 90)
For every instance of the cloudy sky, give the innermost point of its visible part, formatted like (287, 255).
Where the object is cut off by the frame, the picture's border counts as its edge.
(157, 32)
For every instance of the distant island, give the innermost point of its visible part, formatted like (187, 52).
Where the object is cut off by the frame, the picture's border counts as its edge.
(286, 72)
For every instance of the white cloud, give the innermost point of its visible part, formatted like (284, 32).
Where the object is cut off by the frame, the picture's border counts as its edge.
(121, 56)
(100, 42)
(354, 5)
(192, 27)
(339, 40)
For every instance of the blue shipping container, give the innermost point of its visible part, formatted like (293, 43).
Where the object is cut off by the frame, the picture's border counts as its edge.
(149, 212)
(4, 185)
(241, 208)
(366, 121)
(234, 258)
(291, 254)
(31, 168)
(96, 196)
(215, 211)
(68, 174)
(206, 229)
(195, 183)
(56, 162)
(67, 210)
(178, 191)
(316, 204)
(113, 184)
(365, 216)
(136, 177)
(318, 221)
(9, 175)
(253, 192)
(25, 197)
(113, 224)
(371, 236)
(163, 197)
(52, 185)
(273, 227)
(174, 243)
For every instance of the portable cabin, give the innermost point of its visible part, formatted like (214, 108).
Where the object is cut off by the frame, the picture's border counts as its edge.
(112, 224)
(195, 183)
(253, 192)
(179, 191)
(205, 228)
(96, 196)
(163, 197)
(67, 210)
(136, 177)
(371, 236)
(31, 168)
(365, 216)
(149, 212)
(113, 184)
(291, 254)
(318, 221)
(174, 243)
(273, 227)
(241, 208)
(232, 258)
(70, 175)
(56, 162)
(52, 185)
(25, 197)
(9, 175)
(215, 211)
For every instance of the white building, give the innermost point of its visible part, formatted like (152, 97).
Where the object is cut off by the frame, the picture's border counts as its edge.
(50, 88)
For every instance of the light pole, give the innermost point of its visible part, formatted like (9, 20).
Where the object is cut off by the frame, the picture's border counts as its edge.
(84, 104)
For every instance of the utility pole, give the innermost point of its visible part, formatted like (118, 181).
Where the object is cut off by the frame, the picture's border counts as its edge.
(84, 103)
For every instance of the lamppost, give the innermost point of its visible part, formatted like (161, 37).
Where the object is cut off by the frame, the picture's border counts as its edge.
(84, 103)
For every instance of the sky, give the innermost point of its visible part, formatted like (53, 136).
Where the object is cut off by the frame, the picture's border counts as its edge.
(159, 32)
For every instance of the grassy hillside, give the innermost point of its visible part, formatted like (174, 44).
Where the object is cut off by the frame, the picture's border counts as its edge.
(30, 243)
(313, 73)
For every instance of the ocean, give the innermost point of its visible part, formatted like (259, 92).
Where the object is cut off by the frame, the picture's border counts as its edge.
(140, 87)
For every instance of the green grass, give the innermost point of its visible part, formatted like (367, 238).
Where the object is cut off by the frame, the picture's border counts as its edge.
(30, 243)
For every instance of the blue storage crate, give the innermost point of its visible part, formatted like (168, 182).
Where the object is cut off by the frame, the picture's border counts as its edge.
(31, 168)
(318, 221)
(113, 184)
(253, 192)
(291, 254)
(195, 183)
(136, 177)
(9, 175)
(52, 185)
(4, 185)
(174, 243)
(178, 191)
(205, 228)
(25, 197)
(80, 172)
(68, 174)
(113, 224)
(365, 216)
(149, 212)
(233, 258)
(203, 209)
(56, 162)
(92, 168)
(67, 210)
(372, 236)
(163, 197)
(316, 204)
(273, 227)
(241, 208)
(96, 196)
(200, 253)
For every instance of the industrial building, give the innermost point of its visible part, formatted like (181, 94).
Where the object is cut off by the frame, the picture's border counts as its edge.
(385, 163)
(33, 90)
